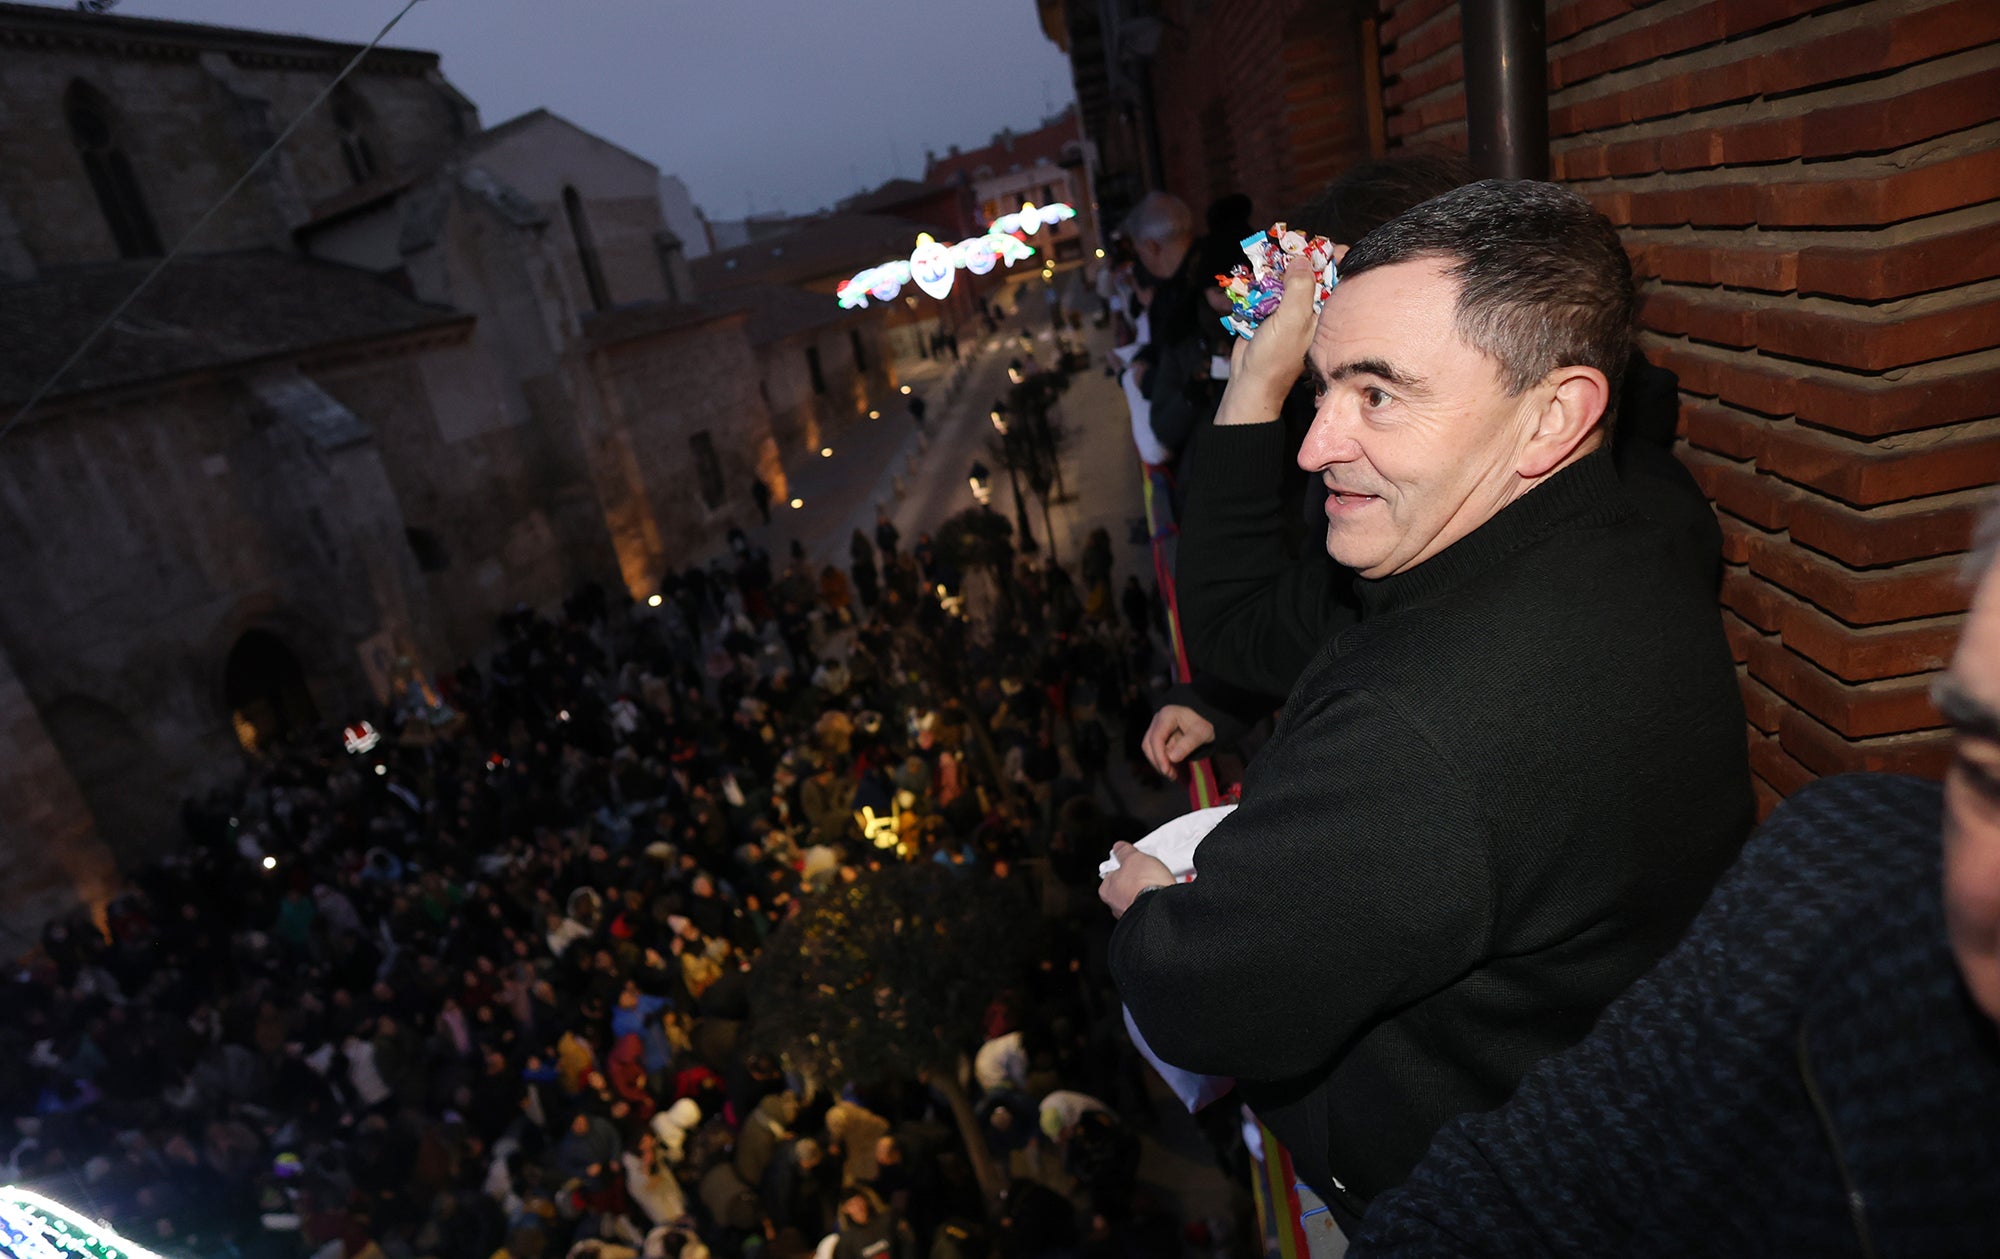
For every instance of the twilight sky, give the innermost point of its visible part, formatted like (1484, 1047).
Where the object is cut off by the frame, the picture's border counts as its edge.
(776, 104)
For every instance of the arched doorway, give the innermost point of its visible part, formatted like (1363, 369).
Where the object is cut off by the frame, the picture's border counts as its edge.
(266, 690)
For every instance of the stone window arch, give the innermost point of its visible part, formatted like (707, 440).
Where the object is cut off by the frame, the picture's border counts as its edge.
(355, 121)
(93, 129)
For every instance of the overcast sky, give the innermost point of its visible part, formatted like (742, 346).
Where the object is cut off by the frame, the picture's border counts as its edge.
(784, 104)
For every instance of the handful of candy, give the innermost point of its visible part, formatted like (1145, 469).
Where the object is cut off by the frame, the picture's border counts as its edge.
(1254, 290)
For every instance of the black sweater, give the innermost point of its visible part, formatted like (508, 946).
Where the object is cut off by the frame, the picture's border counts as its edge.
(1491, 803)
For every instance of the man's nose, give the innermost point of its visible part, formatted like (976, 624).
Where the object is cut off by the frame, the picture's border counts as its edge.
(1330, 440)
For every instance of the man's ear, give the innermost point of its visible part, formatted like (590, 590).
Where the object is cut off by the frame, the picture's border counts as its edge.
(1571, 405)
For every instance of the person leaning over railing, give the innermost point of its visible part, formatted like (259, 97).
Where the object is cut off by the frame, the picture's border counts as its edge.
(1249, 641)
(1815, 1070)
(1501, 795)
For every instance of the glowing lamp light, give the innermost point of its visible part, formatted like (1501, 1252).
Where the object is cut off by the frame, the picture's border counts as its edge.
(359, 738)
(380, 770)
(826, 452)
(798, 503)
(874, 415)
(906, 389)
(654, 602)
(562, 715)
(1100, 253)
(35, 1227)
(880, 831)
(270, 863)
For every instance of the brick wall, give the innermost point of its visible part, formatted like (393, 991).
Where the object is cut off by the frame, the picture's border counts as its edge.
(1262, 97)
(1811, 195)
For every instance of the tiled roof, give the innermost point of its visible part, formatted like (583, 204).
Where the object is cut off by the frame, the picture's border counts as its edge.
(1027, 149)
(202, 313)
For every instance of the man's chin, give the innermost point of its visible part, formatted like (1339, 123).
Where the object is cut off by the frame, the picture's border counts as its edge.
(1348, 552)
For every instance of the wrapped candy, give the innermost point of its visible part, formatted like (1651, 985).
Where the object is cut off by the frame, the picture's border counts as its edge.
(1254, 290)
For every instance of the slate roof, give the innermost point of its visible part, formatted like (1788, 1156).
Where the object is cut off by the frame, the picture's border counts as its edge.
(778, 312)
(830, 247)
(202, 313)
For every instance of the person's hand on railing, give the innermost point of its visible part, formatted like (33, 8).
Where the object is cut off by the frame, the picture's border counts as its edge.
(1176, 732)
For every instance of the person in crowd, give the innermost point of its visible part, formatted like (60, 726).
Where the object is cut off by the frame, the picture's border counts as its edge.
(1814, 1070)
(1516, 777)
(1161, 229)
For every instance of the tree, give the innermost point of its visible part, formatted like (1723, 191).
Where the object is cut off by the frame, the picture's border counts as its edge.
(887, 978)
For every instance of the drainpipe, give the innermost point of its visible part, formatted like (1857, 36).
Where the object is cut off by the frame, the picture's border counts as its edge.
(1506, 87)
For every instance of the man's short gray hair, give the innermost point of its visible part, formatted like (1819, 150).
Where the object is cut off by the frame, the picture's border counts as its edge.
(1543, 281)
(1160, 217)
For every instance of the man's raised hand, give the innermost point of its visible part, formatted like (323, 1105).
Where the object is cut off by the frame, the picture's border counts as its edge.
(1264, 369)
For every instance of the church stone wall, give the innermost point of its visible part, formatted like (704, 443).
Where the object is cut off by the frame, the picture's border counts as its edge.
(190, 121)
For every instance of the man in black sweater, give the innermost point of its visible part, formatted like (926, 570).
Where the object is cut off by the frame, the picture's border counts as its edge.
(1497, 797)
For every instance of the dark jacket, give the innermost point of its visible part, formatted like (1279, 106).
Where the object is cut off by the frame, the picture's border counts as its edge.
(1490, 804)
(1803, 1075)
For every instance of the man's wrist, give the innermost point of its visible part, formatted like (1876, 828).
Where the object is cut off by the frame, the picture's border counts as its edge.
(1242, 405)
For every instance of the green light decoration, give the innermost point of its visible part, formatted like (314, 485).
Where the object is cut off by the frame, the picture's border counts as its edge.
(33, 1227)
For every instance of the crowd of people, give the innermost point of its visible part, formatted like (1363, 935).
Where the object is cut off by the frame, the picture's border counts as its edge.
(482, 990)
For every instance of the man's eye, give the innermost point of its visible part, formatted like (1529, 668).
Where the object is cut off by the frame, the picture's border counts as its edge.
(1373, 397)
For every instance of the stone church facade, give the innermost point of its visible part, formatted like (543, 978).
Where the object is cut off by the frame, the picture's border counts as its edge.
(414, 374)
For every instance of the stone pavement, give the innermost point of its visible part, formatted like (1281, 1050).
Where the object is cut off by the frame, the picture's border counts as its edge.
(875, 459)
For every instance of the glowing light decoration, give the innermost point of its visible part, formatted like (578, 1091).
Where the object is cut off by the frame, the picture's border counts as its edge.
(932, 267)
(33, 1227)
(359, 738)
(1032, 218)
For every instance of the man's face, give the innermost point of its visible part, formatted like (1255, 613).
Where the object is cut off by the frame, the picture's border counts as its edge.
(1415, 436)
(1972, 799)
(1163, 258)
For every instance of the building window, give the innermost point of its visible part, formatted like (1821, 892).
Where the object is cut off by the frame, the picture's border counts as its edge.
(812, 369)
(586, 250)
(707, 470)
(860, 351)
(353, 120)
(111, 178)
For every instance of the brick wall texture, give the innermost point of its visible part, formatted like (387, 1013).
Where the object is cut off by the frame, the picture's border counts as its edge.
(1811, 196)
(1261, 97)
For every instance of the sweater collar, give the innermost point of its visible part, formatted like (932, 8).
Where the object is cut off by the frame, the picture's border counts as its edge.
(1587, 488)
